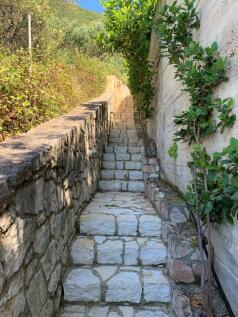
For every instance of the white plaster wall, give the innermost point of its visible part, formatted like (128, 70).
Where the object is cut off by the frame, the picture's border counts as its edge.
(219, 22)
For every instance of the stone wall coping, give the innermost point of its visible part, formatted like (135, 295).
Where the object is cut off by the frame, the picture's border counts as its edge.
(28, 149)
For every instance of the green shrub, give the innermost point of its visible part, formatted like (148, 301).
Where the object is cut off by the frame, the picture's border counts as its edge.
(128, 27)
(27, 101)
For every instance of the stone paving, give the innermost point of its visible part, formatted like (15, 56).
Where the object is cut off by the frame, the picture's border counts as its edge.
(118, 258)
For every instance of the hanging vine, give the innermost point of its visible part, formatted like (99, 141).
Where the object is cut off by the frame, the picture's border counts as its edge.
(213, 192)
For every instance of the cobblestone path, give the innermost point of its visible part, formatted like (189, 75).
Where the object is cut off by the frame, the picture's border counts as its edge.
(118, 258)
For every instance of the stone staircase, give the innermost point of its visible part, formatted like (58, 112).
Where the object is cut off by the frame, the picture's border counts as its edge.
(122, 160)
(118, 259)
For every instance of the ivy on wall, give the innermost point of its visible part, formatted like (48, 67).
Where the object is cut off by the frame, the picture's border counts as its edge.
(212, 195)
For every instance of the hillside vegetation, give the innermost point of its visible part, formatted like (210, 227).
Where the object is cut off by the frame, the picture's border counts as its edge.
(68, 66)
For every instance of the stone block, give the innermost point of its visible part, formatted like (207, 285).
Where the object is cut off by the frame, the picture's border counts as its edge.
(82, 251)
(176, 215)
(48, 260)
(134, 150)
(82, 285)
(15, 285)
(156, 312)
(136, 157)
(14, 307)
(123, 157)
(153, 253)
(109, 165)
(54, 279)
(120, 149)
(120, 165)
(116, 140)
(124, 287)
(109, 157)
(156, 287)
(121, 174)
(181, 305)
(5, 192)
(42, 238)
(127, 225)
(107, 174)
(15, 243)
(30, 270)
(98, 312)
(124, 186)
(50, 197)
(148, 169)
(48, 309)
(131, 165)
(180, 272)
(109, 149)
(131, 255)
(110, 252)
(150, 226)
(135, 175)
(136, 186)
(37, 294)
(97, 224)
(30, 199)
(110, 185)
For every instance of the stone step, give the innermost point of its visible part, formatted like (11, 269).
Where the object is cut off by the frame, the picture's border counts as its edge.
(121, 185)
(125, 140)
(115, 221)
(132, 175)
(123, 149)
(118, 250)
(122, 157)
(124, 125)
(123, 133)
(123, 144)
(112, 311)
(117, 284)
(122, 165)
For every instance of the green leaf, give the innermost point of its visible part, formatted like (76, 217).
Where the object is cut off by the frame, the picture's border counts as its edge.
(230, 219)
(235, 196)
(208, 207)
(214, 46)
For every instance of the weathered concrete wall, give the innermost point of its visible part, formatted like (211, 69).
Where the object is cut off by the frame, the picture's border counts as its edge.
(218, 23)
(47, 176)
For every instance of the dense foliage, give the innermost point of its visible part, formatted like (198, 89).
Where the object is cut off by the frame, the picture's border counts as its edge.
(68, 65)
(216, 181)
(128, 27)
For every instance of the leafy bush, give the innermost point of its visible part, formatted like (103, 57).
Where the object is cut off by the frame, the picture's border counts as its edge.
(128, 28)
(219, 198)
(68, 65)
(14, 27)
(27, 101)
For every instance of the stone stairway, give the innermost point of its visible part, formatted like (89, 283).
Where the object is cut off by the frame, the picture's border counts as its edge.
(118, 259)
(122, 160)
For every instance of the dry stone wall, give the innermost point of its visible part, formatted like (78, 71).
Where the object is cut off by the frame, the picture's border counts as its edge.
(47, 176)
(218, 23)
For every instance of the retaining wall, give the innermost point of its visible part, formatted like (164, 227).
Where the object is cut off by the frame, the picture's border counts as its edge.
(47, 177)
(218, 23)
